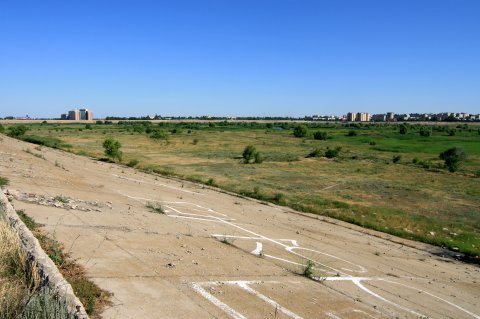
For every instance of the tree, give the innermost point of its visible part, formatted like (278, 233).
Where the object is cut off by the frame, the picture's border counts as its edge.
(300, 130)
(403, 129)
(112, 149)
(318, 135)
(248, 153)
(453, 157)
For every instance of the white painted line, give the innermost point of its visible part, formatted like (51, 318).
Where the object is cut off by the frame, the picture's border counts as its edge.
(434, 296)
(271, 302)
(195, 218)
(359, 285)
(332, 315)
(158, 184)
(228, 310)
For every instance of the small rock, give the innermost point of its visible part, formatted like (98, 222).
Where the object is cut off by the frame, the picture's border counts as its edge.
(171, 265)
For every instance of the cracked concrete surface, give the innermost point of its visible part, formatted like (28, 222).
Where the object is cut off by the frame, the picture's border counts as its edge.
(213, 255)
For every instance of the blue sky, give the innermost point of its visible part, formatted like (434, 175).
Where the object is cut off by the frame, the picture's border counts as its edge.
(238, 58)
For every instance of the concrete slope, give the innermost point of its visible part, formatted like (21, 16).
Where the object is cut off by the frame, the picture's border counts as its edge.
(213, 255)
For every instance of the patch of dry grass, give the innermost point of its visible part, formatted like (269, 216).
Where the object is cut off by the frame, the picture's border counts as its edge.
(18, 276)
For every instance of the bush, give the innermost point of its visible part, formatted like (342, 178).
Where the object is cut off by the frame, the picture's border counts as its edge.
(425, 131)
(332, 152)
(195, 141)
(453, 157)
(159, 134)
(248, 153)
(300, 130)
(258, 158)
(315, 153)
(396, 158)
(88, 126)
(112, 149)
(321, 136)
(2, 129)
(17, 130)
(352, 133)
(403, 129)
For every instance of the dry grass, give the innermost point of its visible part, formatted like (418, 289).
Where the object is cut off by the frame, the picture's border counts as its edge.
(18, 277)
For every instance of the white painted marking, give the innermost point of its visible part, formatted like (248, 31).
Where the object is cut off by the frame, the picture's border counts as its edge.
(359, 285)
(437, 297)
(258, 250)
(332, 315)
(158, 184)
(228, 310)
(196, 218)
(271, 302)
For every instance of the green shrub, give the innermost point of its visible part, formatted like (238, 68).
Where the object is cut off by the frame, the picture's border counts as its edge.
(321, 136)
(248, 153)
(396, 158)
(17, 130)
(332, 152)
(112, 149)
(453, 157)
(425, 131)
(352, 133)
(258, 158)
(315, 153)
(300, 130)
(159, 134)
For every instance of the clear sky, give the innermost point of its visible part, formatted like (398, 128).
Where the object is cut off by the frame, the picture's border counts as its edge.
(239, 57)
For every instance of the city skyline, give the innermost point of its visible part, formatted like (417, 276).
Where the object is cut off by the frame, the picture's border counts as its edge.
(250, 58)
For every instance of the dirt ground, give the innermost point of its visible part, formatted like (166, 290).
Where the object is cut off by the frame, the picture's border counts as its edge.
(214, 255)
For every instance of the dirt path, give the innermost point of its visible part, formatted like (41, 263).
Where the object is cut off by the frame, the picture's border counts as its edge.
(212, 255)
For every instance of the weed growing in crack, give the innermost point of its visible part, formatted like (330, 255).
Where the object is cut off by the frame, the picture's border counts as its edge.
(155, 208)
(308, 270)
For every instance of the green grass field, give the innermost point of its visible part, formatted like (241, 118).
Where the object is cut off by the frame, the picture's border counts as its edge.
(414, 198)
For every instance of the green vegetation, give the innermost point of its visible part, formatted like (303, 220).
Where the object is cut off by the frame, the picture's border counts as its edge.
(300, 130)
(248, 153)
(321, 136)
(308, 269)
(155, 208)
(453, 157)
(414, 198)
(112, 149)
(17, 130)
(3, 181)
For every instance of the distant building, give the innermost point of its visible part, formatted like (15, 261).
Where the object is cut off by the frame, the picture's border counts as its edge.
(379, 117)
(363, 117)
(390, 116)
(78, 115)
(350, 117)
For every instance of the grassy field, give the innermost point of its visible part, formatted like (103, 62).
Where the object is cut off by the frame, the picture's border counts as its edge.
(416, 197)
